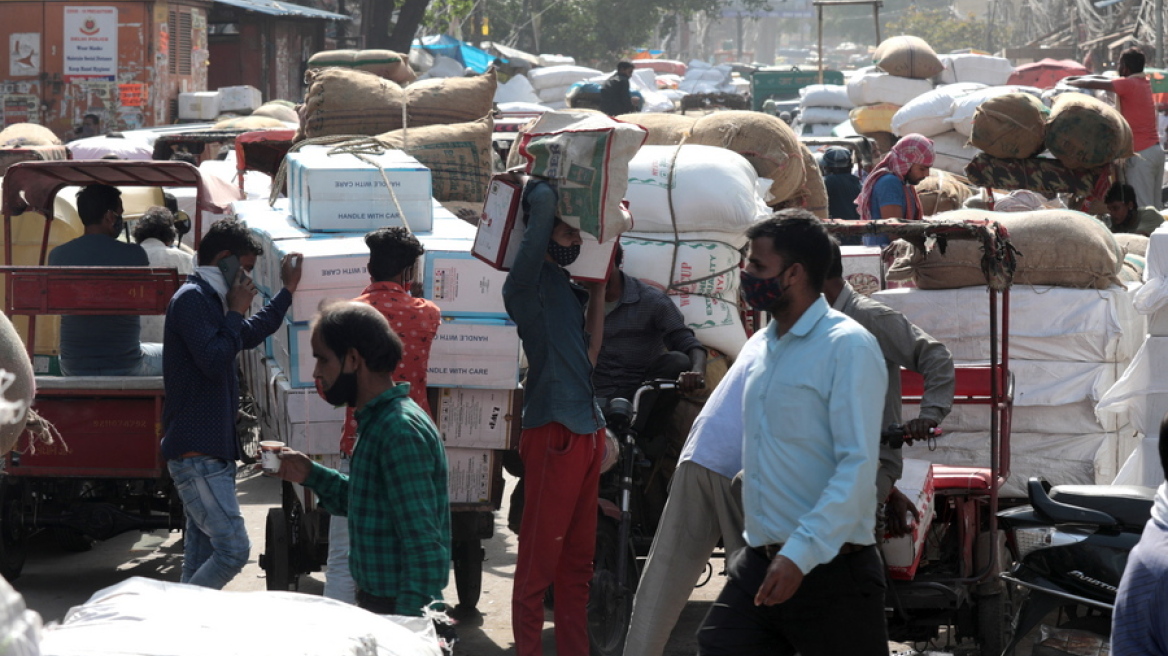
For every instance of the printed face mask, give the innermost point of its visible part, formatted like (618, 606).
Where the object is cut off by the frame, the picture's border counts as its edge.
(563, 255)
(761, 293)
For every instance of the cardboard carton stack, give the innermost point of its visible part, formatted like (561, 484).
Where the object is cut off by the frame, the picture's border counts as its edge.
(474, 360)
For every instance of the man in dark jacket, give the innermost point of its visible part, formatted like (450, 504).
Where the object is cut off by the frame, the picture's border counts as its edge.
(614, 93)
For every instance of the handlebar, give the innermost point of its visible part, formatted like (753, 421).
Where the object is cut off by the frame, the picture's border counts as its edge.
(894, 436)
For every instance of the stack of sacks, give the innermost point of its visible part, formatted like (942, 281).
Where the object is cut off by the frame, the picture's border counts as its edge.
(700, 77)
(384, 63)
(1086, 133)
(983, 69)
(282, 110)
(964, 107)
(551, 83)
(556, 60)
(953, 152)
(1073, 330)
(1011, 126)
(692, 205)
(926, 114)
(823, 106)
(517, 89)
(340, 101)
(766, 141)
(474, 360)
(645, 81)
(878, 96)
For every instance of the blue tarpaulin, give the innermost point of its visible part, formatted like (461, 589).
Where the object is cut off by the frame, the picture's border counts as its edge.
(469, 56)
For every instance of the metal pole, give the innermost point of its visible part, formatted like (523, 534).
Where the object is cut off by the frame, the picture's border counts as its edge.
(739, 22)
(1160, 33)
(876, 16)
(819, 12)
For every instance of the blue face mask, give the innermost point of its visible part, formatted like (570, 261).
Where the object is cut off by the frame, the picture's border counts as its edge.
(563, 255)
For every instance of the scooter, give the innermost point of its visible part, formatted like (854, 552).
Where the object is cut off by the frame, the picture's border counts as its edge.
(1071, 544)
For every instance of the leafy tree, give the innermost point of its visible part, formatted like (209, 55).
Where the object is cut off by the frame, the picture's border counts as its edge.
(940, 28)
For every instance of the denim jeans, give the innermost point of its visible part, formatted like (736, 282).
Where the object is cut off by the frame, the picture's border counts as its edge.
(216, 543)
(338, 580)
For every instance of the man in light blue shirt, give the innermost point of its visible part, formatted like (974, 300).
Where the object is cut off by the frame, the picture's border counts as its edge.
(812, 411)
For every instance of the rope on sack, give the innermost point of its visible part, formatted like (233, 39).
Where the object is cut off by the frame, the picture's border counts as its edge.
(282, 175)
(41, 430)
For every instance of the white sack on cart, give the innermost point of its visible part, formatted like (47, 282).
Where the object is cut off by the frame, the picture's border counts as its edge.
(711, 265)
(825, 95)
(985, 69)
(965, 106)
(926, 114)
(878, 87)
(716, 323)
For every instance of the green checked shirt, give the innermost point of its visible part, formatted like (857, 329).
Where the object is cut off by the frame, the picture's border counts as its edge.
(395, 497)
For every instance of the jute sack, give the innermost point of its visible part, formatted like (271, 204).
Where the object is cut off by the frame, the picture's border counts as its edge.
(252, 122)
(586, 155)
(1132, 244)
(908, 56)
(942, 192)
(1011, 126)
(664, 129)
(766, 141)
(1063, 248)
(17, 385)
(27, 134)
(458, 156)
(814, 191)
(1086, 133)
(343, 101)
(383, 63)
(278, 109)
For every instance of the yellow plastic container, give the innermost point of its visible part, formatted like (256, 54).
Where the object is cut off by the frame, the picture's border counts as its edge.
(874, 118)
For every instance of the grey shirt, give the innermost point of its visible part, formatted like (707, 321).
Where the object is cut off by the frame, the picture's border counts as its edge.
(903, 345)
(99, 345)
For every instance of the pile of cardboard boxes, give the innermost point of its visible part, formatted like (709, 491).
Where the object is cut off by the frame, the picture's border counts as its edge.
(475, 358)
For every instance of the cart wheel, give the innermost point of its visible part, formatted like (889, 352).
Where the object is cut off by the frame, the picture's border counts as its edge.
(72, 540)
(247, 427)
(277, 556)
(468, 573)
(995, 622)
(610, 601)
(13, 537)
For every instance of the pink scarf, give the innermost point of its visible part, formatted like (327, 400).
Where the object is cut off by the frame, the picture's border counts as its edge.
(911, 149)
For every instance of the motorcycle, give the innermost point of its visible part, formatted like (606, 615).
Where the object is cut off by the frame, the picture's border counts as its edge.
(1071, 546)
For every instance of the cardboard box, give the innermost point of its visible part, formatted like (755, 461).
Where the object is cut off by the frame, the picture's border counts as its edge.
(470, 475)
(903, 555)
(473, 352)
(343, 193)
(199, 105)
(303, 406)
(496, 242)
(306, 303)
(332, 263)
(863, 268)
(463, 285)
(239, 99)
(292, 351)
(481, 419)
(320, 437)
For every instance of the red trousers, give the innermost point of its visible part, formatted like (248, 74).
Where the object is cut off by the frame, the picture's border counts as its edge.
(558, 536)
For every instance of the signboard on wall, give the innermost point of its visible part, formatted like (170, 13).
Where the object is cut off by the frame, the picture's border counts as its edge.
(24, 54)
(91, 43)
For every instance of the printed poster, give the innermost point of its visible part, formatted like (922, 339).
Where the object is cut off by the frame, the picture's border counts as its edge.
(24, 54)
(91, 43)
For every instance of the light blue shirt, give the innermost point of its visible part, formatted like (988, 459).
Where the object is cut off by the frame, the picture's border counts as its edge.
(715, 440)
(812, 437)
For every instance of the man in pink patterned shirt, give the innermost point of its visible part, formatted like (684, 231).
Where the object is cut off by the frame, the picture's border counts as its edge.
(393, 258)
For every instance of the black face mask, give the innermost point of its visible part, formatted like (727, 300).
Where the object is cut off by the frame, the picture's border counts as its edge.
(563, 255)
(343, 391)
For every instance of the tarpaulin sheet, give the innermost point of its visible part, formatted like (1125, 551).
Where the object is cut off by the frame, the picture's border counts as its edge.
(473, 58)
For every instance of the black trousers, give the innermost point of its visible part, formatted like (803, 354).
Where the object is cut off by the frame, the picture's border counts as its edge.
(838, 610)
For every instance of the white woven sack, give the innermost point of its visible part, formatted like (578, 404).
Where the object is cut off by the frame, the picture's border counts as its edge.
(961, 118)
(712, 189)
(517, 89)
(700, 266)
(553, 94)
(926, 113)
(983, 69)
(823, 115)
(559, 76)
(877, 87)
(825, 95)
(716, 323)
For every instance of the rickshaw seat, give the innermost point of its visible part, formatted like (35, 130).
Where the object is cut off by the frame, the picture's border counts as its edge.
(102, 383)
(946, 477)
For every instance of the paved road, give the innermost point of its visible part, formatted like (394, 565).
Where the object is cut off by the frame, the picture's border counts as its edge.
(54, 581)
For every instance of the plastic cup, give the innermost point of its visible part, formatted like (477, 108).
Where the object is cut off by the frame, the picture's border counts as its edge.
(270, 456)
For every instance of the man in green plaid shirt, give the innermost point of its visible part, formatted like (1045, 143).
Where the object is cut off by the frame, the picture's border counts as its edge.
(395, 495)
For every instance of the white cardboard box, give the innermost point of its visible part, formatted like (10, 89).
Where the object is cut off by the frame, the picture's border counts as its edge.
(318, 437)
(863, 268)
(201, 105)
(329, 262)
(292, 351)
(470, 474)
(301, 405)
(903, 555)
(342, 193)
(473, 352)
(239, 99)
(463, 285)
(474, 418)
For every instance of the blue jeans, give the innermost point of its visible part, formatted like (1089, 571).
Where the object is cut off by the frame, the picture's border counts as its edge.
(216, 541)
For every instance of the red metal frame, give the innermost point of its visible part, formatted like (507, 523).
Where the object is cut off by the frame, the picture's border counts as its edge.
(273, 143)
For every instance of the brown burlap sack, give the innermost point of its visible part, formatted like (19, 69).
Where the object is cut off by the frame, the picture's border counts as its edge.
(342, 101)
(1086, 133)
(907, 56)
(252, 122)
(814, 191)
(664, 129)
(383, 63)
(1132, 244)
(943, 192)
(282, 111)
(1011, 126)
(1063, 248)
(766, 141)
(458, 156)
(27, 134)
(20, 390)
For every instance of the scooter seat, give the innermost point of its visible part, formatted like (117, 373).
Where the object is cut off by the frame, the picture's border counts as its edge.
(946, 477)
(1130, 505)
